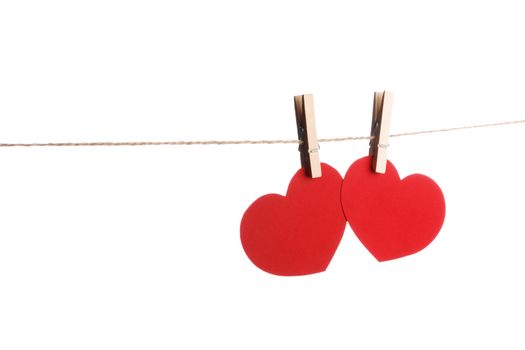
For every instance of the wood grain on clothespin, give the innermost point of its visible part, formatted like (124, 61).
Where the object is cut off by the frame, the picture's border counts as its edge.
(307, 133)
(381, 117)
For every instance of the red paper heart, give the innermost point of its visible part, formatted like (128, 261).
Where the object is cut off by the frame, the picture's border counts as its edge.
(297, 234)
(391, 217)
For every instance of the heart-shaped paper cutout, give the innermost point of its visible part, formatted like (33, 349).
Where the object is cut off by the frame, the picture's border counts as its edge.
(391, 217)
(297, 234)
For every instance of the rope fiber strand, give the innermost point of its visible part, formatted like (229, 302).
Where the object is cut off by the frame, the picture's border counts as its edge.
(245, 142)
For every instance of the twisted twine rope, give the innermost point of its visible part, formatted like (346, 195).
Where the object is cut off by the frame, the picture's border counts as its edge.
(245, 142)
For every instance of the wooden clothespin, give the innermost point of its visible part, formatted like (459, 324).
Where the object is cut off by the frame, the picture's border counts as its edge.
(380, 130)
(307, 133)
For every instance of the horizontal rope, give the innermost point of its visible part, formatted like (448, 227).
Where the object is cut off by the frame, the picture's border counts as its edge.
(245, 142)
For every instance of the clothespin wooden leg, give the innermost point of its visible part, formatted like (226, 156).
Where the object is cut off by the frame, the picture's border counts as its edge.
(381, 117)
(307, 133)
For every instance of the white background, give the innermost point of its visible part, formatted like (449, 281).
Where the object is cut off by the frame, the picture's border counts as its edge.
(138, 248)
